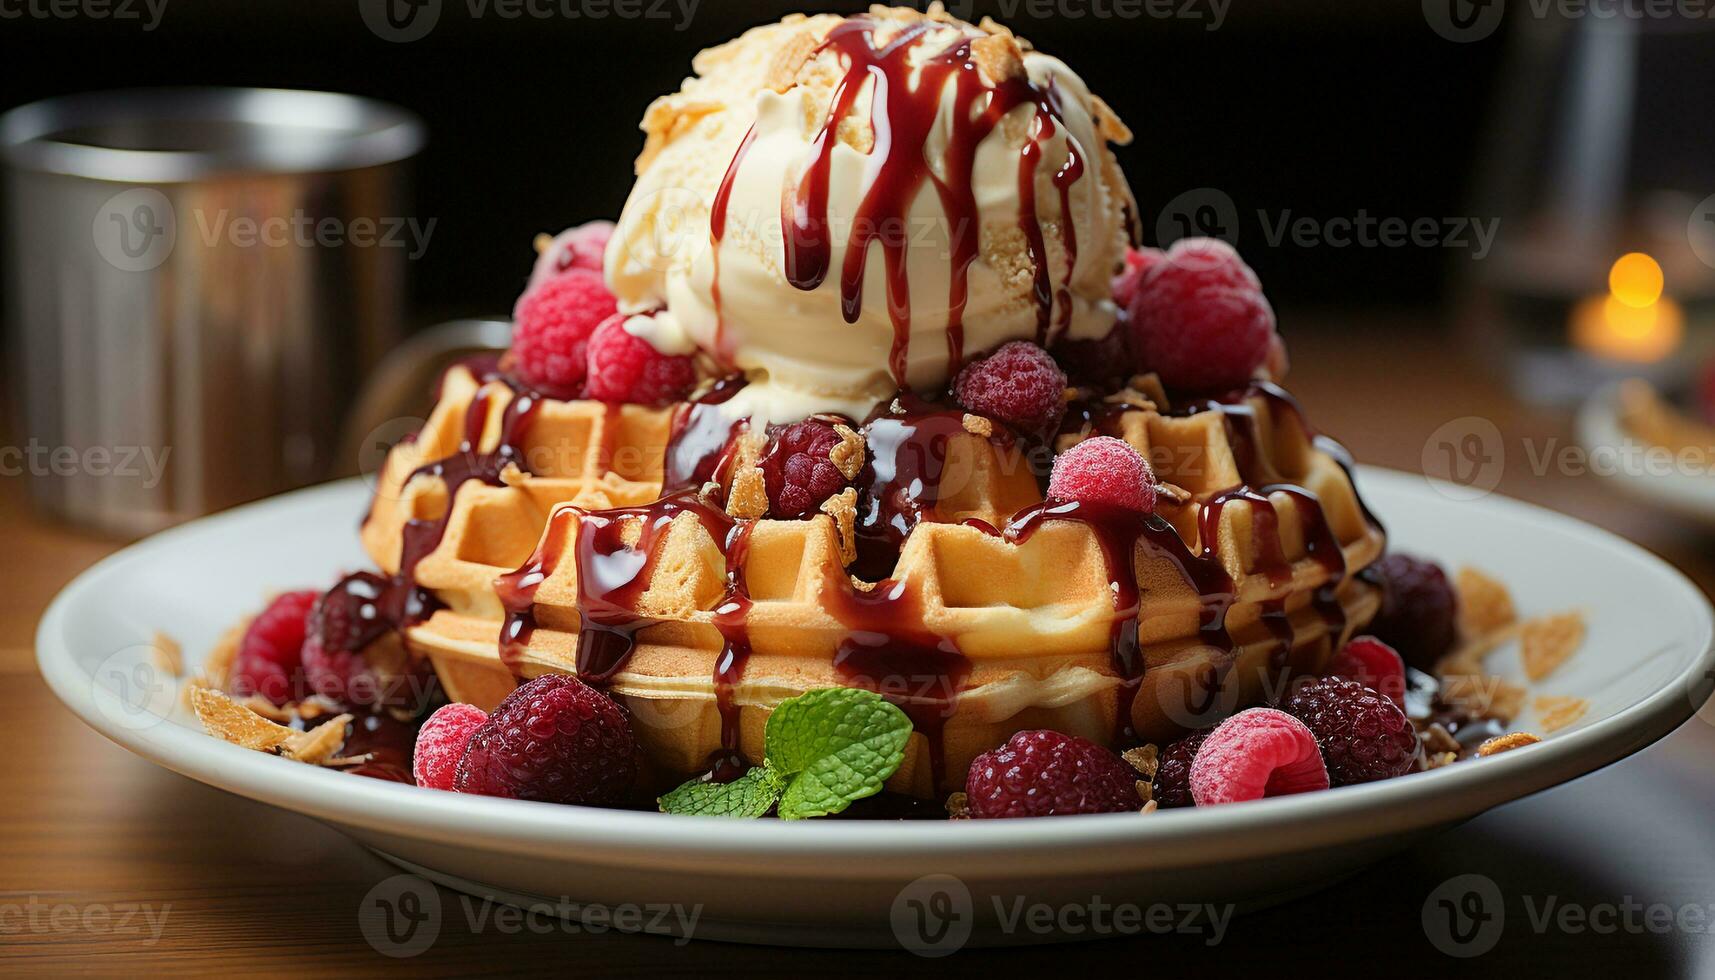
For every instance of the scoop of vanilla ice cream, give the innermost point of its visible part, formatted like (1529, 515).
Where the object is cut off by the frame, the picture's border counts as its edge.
(751, 119)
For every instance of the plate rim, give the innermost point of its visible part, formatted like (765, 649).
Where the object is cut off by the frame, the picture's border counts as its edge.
(889, 848)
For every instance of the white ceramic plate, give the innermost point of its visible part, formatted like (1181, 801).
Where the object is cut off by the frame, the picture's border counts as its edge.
(1645, 667)
(1625, 461)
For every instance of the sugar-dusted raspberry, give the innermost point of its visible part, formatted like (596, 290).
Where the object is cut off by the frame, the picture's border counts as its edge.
(1373, 664)
(579, 247)
(1104, 470)
(441, 743)
(270, 656)
(554, 739)
(1018, 384)
(1199, 318)
(625, 368)
(552, 324)
(1363, 735)
(1173, 773)
(1256, 753)
(1137, 262)
(1420, 611)
(798, 468)
(1044, 773)
(1100, 362)
(343, 621)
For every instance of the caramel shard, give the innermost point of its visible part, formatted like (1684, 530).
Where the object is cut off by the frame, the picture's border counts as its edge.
(848, 456)
(226, 719)
(1485, 605)
(318, 745)
(976, 425)
(999, 58)
(1549, 641)
(790, 60)
(1146, 759)
(1507, 742)
(842, 507)
(267, 709)
(1145, 791)
(1555, 712)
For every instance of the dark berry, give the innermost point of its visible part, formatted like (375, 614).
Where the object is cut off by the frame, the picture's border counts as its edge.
(554, 739)
(1044, 774)
(552, 324)
(1199, 318)
(1364, 736)
(624, 367)
(1104, 470)
(1173, 772)
(270, 656)
(343, 622)
(1018, 384)
(1420, 612)
(1099, 362)
(799, 470)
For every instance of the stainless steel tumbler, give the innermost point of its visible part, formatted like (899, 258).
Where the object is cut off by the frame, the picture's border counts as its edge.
(198, 280)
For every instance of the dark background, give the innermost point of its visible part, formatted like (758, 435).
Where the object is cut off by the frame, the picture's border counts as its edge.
(1317, 106)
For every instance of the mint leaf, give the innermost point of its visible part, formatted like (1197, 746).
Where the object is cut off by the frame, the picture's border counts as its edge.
(750, 795)
(833, 746)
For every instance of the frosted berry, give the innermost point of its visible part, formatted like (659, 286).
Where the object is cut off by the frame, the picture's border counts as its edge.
(270, 655)
(552, 324)
(1199, 318)
(554, 739)
(1256, 753)
(1363, 735)
(626, 368)
(1104, 470)
(1044, 773)
(580, 247)
(1137, 262)
(441, 743)
(1018, 384)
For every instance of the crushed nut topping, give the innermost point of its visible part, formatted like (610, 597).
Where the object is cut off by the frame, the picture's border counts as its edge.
(976, 425)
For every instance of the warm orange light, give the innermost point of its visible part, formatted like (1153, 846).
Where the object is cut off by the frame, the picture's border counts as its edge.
(1635, 280)
(1605, 326)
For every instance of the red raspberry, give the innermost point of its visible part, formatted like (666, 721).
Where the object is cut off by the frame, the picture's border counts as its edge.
(1137, 262)
(1256, 753)
(1173, 774)
(798, 469)
(1104, 470)
(1373, 664)
(580, 247)
(1018, 384)
(1420, 612)
(1044, 774)
(1364, 736)
(269, 658)
(1199, 319)
(554, 739)
(344, 620)
(1099, 362)
(441, 743)
(625, 368)
(552, 325)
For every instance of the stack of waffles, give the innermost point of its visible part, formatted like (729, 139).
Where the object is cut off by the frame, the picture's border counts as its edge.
(616, 542)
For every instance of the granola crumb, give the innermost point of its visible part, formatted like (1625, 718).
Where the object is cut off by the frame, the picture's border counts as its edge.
(976, 425)
(1507, 742)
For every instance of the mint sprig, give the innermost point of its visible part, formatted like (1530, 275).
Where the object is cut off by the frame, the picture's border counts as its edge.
(822, 751)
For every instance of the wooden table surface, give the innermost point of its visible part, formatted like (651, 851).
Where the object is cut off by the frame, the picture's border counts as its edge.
(109, 864)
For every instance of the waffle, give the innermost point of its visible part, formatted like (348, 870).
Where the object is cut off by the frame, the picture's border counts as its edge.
(725, 618)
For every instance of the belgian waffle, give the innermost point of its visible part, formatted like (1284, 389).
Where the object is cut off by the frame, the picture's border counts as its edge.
(593, 539)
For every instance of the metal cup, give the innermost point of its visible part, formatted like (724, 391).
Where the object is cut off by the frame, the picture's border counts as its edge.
(198, 281)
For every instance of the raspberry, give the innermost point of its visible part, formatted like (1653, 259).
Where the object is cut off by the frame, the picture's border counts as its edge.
(343, 621)
(1419, 614)
(554, 739)
(580, 247)
(798, 468)
(441, 743)
(1137, 262)
(1199, 319)
(1018, 384)
(269, 656)
(1256, 753)
(1098, 362)
(1364, 736)
(1373, 664)
(1044, 774)
(1173, 774)
(553, 321)
(625, 368)
(1104, 470)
